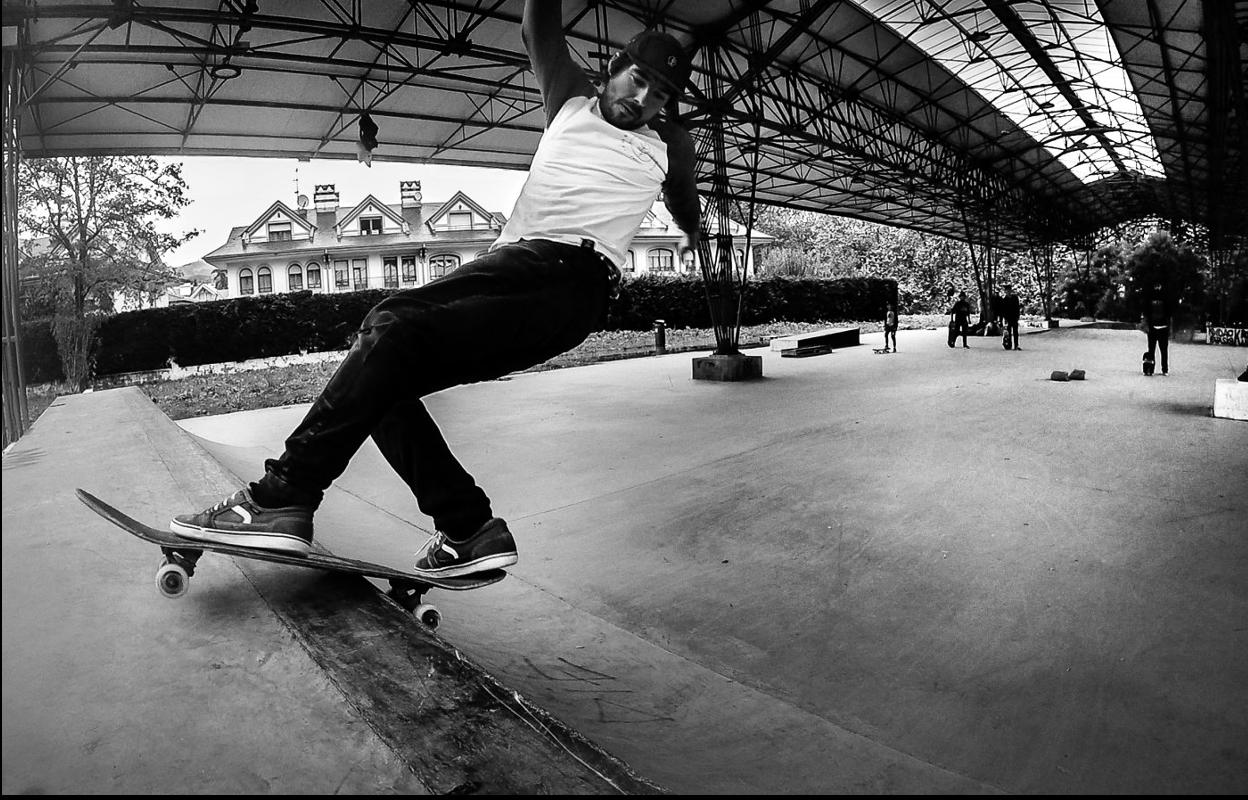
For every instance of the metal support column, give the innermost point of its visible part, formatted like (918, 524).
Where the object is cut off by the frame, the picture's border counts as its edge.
(16, 412)
(724, 270)
(719, 278)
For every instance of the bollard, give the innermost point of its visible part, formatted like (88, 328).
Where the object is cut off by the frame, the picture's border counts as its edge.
(660, 337)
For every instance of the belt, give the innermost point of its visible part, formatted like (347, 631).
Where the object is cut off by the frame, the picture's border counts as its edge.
(613, 272)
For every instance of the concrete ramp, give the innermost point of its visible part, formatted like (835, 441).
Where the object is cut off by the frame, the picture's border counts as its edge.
(934, 573)
(262, 680)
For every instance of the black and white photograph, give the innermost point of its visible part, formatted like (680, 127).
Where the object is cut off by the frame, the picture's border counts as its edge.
(592, 397)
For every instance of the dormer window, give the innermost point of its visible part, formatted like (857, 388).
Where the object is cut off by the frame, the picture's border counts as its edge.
(370, 226)
(279, 231)
(460, 220)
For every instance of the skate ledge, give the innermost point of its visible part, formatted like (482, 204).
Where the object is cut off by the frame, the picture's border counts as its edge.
(830, 338)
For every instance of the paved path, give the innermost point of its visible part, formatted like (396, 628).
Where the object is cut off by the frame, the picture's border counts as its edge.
(934, 571)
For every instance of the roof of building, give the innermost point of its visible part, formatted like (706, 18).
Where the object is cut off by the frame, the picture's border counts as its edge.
(325, 239)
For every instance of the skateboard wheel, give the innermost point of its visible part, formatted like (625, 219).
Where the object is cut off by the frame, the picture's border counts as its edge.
(428, 614)
(172, 580)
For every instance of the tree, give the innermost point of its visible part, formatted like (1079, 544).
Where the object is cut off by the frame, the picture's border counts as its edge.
(929, 269)
(1178, 270)
(1092, 284)
(95, 224)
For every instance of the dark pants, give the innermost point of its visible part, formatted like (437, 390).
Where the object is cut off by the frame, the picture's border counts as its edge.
(513, 308)
(1011, 326)
(1159, 339)
(959, 327)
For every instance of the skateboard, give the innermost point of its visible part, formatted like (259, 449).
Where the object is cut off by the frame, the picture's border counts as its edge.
(180, 557)
(882, 350)
(1149, 364)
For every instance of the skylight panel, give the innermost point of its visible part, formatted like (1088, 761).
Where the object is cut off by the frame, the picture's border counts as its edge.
(1051, 67)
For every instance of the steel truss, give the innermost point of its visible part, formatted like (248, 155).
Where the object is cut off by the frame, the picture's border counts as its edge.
(827, 105)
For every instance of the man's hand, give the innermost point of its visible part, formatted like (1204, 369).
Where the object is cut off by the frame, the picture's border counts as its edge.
(688, 247)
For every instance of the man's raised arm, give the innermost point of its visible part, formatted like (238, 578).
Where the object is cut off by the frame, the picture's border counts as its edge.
(680, 189)
(558, 75)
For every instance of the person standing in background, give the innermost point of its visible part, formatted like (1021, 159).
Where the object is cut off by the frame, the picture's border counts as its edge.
(1010, 312)
(890, 326)
(1157, 326)
(959, 320)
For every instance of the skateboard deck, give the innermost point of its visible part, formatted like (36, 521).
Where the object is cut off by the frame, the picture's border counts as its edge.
(181, 556)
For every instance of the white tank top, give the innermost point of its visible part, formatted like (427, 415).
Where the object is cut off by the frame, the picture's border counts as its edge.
(589, 180)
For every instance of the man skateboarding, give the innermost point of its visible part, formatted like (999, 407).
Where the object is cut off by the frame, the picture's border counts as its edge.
(542, 288)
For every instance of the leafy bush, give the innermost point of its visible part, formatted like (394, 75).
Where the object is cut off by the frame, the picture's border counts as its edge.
(682, 302)
(284, 324)
(1179, 271)
(76, 342)
(231, 330)
(41, 362)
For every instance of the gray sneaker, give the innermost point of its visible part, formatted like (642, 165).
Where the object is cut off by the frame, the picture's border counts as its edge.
(491, 547)
(238, 520)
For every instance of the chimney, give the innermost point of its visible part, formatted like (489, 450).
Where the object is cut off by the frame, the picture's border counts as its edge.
(325, 198)
(409, 193)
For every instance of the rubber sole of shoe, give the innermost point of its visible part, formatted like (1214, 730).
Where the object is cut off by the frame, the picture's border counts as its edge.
(279, 542)
(480, 565)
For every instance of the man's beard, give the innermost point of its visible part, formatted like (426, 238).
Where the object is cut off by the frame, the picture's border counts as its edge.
(620, 114)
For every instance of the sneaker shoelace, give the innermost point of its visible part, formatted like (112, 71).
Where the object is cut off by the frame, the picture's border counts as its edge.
(224, 504)
(432, 544)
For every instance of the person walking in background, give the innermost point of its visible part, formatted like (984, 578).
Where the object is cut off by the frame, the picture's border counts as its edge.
(1011, 310)
(959, 320)
(890, 325)
(1157, 327)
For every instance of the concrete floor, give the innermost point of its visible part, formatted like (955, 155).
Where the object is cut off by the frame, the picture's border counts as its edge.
(932, 571)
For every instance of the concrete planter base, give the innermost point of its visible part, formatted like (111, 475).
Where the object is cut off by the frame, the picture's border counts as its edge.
(735, 367)
(1230, 399)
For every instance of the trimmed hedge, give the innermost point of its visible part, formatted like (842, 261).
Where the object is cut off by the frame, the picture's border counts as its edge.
(231, 330)
(284, 324)
(682, 302)
(41, 362)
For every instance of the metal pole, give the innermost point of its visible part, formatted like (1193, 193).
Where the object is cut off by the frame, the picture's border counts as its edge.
(16, 412)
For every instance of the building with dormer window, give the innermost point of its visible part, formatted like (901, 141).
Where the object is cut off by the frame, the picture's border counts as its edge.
(328, 248)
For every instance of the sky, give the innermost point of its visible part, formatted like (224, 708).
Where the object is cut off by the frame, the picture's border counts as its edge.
(227, 192)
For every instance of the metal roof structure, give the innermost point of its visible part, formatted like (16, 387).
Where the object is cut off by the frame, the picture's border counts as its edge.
(1035, 121)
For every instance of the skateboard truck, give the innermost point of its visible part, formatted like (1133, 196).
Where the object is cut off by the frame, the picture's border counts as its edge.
(173, 577)
(409, 595)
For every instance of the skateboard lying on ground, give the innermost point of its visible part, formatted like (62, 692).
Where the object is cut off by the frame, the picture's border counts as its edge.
(181, 555)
